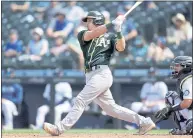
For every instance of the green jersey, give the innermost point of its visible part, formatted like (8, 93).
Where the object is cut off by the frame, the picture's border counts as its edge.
(97, 51)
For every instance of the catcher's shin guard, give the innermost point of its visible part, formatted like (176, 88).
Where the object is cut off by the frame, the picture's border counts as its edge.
(189, 127)
(171, 99)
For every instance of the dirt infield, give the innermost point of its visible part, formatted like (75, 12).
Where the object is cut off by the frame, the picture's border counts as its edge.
(118, 135)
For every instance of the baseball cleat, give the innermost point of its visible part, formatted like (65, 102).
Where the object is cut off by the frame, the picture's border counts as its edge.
(146, 126)
(51, 129)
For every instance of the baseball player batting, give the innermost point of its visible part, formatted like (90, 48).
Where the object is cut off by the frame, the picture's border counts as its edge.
(98, 45)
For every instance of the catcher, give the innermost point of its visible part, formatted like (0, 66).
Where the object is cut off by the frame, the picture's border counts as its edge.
(179, 104)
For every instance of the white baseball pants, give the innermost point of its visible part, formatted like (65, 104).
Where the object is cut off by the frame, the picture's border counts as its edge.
(9, 110)
(96, 89)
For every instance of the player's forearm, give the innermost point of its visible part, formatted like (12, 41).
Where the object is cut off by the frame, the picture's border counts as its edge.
(100, 30)
(183, 105)
(120, 46)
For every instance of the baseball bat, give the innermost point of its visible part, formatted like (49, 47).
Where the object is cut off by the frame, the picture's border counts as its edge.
(133, 7)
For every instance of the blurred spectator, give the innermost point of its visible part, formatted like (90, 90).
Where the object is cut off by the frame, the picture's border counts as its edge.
(73, 42)
(38, 46)
(107, 16)
(130, 31)
(152, 95)
(149, 5)
(52, 9)
(14, 46)
(60, 26)
(160, 52)
(182, 30)
(40, 6)
(74, 13)
(124, 6)
(47, 9)
(12, 94)
(61, 48)
(20, 6)
(39, 10)
(63, 96)
(139, 49)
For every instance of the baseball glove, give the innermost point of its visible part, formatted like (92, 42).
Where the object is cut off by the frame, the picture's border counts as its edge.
(163, 114)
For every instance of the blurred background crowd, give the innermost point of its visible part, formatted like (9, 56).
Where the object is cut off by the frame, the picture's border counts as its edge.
(46, 32)
(42, 35)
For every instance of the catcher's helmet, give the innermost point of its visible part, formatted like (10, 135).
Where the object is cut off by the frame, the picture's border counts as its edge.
(185, 62)
(98, 18)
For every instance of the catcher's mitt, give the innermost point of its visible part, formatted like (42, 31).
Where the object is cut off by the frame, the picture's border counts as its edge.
(163, 114)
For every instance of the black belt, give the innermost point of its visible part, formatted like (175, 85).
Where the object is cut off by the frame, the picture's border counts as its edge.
(94, 68)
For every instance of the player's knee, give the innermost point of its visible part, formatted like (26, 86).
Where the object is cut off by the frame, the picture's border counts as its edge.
(189, 127)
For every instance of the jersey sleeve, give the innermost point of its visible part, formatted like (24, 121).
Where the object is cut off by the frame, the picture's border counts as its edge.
(187, 89)
(80, 37)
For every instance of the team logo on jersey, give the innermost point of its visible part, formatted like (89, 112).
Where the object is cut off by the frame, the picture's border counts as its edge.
(186, 92)
(103, 42)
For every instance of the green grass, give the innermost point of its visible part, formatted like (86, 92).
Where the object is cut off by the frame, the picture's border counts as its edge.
(15, 131)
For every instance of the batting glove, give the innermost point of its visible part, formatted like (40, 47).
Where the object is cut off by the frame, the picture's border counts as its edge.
(118, 23)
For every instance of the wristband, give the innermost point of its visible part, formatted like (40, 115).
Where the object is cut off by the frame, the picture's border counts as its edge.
(109, 25)
(176, 107)
(119, 35)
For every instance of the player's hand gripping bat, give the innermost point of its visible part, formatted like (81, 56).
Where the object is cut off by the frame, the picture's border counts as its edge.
(119, 20)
